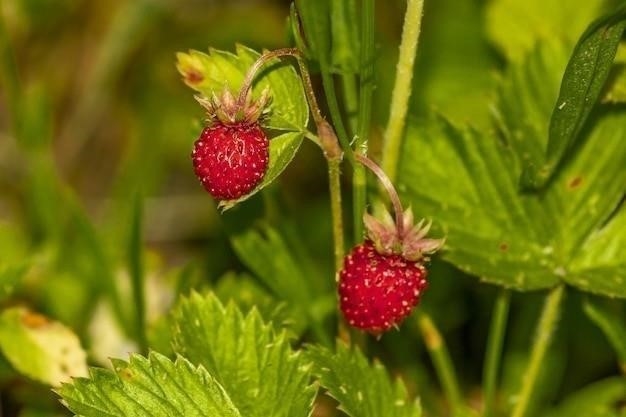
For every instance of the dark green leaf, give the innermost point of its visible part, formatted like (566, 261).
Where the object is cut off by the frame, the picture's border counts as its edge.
(582, 84)
(257, 367)
(613, 324)
(153, 386)
(345, 57)
(362, 389)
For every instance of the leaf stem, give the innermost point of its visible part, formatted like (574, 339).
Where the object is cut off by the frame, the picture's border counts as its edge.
(544, 332)
(494, 349)
(441, 360)
(366, 89)
(402, 87)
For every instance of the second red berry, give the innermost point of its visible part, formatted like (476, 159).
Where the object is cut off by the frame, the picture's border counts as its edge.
(376, 291)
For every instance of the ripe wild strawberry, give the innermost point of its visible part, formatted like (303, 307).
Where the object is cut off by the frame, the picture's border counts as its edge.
(378, 291)
(383, 278)
(231, 156)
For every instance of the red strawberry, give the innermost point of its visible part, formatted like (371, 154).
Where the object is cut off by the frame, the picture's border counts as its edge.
(231, 159)
(383, 278)
(378, 291)
(231, 155)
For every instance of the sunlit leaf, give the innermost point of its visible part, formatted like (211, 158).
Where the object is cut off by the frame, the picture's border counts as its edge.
(153, 386)
(256, 366)
(39, 348)
(362, 389)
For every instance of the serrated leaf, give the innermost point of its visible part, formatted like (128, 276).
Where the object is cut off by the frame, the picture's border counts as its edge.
(256, 366)
(601, 399)
(515, 27)
(269, 258)
(613, 325)
(39, 348)
(213, 72)
(283, 148)
(153, 386)
(362, 389)
(582, 84)
(466, 182)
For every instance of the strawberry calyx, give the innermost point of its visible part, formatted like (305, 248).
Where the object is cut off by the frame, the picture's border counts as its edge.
(409, 240)
(229, 110)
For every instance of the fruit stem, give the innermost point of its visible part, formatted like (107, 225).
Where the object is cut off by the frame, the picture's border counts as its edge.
(543, 337)
(306, 79)
(393, 194)
(402, 87)
(494, 348)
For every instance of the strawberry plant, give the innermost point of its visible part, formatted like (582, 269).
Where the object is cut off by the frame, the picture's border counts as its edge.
(434, 229)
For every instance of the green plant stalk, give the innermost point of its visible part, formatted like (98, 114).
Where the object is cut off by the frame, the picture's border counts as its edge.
(350, 100)
(366, 89)
(441, 360)
(402, 87)
(137, 276)
(334, 172)
(494, 349)
(543, 337)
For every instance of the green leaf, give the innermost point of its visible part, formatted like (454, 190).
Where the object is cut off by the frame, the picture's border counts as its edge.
(613, 324)
(582, 84)
(153, 386)
(467, 181)
(283, 148)
(516, 27)
(267, 255)
(213, 72)
(344, 54)
(362, 389)
(39, 348)
(600, 399)
(257, 367)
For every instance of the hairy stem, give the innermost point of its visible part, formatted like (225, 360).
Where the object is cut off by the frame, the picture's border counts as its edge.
(441, 360)
(402, 87)
(393, 194)
(543, 337)
(494, 349)
(327, 139)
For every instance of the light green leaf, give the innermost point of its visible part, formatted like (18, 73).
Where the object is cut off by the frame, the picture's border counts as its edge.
(39, 348)
(362, 389)
(257, 367)
(213, 72)
(582, 83)
(600, 399)
(613, 324)
(153, 386)
(282, 150)
(515, 27)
